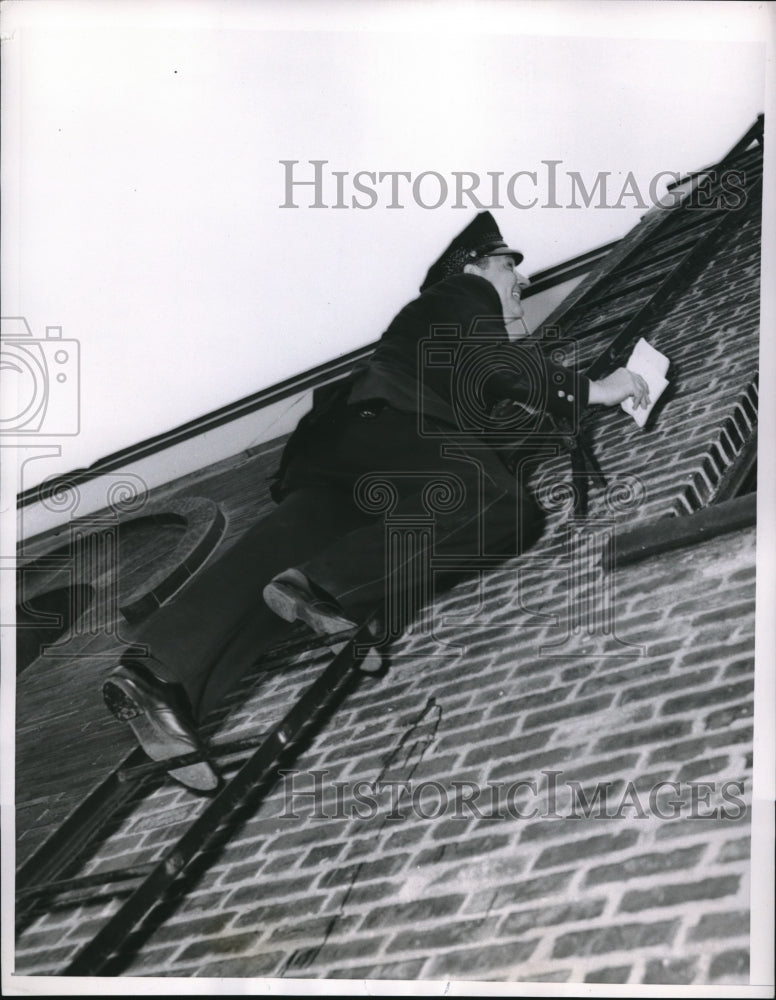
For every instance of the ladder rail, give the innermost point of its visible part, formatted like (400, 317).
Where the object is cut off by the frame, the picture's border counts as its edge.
(323, 695)
(134, 777)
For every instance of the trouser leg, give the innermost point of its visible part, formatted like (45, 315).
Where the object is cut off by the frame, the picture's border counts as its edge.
(213, 632)
(493, 519)
(356, 569)
(209, 636)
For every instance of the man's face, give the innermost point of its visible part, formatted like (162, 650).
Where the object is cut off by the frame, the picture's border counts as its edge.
(508, 282)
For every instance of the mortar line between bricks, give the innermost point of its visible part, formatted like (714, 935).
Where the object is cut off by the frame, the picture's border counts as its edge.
(717, 906)
(686, 923)
(638, 969)
(704, 973)
(713, 837)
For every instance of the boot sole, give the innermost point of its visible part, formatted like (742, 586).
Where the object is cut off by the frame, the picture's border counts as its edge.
(291, 606)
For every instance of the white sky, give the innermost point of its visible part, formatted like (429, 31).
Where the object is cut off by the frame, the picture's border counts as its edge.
(142, 183)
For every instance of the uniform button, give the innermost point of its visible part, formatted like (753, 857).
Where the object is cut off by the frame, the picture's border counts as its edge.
(561, 393)
(570, 398)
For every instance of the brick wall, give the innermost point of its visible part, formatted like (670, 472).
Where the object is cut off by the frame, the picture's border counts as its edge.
(458, 829)
(621, 896)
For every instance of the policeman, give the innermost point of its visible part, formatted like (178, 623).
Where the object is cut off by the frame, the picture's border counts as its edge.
(418, 415)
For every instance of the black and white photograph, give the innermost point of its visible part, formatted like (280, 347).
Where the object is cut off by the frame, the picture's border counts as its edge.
(387, 541)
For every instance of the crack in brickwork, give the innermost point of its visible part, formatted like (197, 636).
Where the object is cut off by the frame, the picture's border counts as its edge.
(400, 763)
(415, 740)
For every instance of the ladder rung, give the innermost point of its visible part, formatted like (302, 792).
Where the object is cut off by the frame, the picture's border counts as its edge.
(215, 751)
(85, 881)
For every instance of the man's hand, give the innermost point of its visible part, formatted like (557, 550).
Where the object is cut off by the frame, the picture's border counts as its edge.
(619, 386)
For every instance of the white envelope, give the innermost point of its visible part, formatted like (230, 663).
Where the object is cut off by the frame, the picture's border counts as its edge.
(648, 362)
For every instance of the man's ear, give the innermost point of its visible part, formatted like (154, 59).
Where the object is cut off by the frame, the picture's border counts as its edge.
(472, 269)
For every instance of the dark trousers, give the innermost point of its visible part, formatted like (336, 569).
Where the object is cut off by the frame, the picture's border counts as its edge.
(354, 488)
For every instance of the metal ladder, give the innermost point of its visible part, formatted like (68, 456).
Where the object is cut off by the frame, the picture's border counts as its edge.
(42, 878)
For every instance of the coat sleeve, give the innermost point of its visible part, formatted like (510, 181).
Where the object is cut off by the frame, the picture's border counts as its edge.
(517, 371)
(537, 382)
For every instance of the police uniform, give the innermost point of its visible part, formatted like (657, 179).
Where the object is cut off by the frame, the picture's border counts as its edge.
(417, 416)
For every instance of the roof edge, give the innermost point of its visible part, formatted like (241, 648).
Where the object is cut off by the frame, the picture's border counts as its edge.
(311, 378)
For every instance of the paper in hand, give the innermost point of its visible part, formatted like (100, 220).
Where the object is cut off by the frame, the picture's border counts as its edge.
(652, 366)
